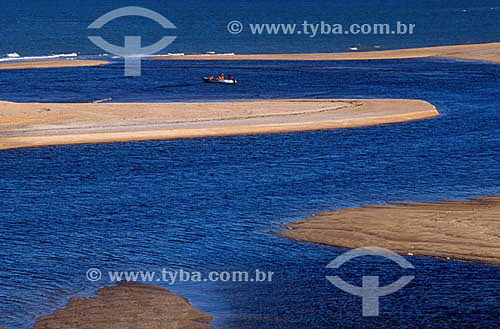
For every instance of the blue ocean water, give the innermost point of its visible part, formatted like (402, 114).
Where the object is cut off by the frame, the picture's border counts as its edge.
(34, 28)
(216, 204)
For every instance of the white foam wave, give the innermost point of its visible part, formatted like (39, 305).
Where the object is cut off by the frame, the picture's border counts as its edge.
(208, 54)
(215, 54)
(13, 57)
(134, 56)
(97, 101)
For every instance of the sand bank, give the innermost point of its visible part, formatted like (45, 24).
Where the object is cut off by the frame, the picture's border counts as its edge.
(463, 230)
(128, 305)
(49, 64)
(40, 124)
(479, 52)
(489, 52)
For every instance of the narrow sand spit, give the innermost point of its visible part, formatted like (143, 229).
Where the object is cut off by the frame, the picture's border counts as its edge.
(489, 52)
(50, 64)
(41, 124)
(463, 230)
(128, 305)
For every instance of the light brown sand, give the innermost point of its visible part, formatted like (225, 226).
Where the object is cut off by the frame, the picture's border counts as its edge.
(128, 305)
(39, 124)
(463, 230)
(480, 52)
(489, 52)
(50, 64)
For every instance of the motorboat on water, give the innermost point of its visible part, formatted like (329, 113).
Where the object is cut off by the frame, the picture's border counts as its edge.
(225, 81)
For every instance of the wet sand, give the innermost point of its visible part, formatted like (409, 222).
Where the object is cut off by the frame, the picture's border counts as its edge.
(42, 124)
(127, 305)
(460, 230)
(489, 52)
(50, 64)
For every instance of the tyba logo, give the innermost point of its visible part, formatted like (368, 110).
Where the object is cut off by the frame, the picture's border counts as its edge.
(370, 290)
(132, 50)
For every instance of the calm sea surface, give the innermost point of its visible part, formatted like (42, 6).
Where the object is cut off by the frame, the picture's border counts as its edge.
(33, 28)
(216, 204)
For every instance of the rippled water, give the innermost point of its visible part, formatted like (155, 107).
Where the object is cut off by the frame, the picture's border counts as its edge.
(217, 203)
(60, 27)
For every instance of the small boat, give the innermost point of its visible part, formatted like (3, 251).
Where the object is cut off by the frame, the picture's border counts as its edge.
(226, 81)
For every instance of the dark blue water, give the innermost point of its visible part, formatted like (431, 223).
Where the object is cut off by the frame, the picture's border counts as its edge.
(33, 28)
(436, 80)
(217, 204)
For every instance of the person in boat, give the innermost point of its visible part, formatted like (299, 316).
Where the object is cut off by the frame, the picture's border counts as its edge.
(222, 76)
(211, 77)
(229, 77)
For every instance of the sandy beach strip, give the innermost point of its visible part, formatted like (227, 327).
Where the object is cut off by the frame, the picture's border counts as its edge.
(127, 305)
(50, 64)
(489, 52)
(460, 230)
(42, 124)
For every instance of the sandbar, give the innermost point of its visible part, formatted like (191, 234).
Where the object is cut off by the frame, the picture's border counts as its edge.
(42, 124)
(127, 305)
(50, 64)
(489, 52)
(460, 230)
